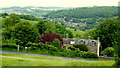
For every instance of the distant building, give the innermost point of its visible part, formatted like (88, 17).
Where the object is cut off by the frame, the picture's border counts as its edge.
(93, 45)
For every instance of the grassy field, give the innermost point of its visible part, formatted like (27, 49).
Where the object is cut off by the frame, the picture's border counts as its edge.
(80, 33)
(34, 60)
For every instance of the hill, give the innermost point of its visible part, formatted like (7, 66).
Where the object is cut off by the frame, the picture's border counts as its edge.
(29, 10)
(85, 12)
(82, 18)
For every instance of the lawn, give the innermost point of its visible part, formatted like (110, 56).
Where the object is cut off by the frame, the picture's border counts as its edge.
(34, 60)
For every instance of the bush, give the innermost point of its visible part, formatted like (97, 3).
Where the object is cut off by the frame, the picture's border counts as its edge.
(72, 48)
(68, 53)
(82, 47)
(109, 51)
(89, 55)
(9, 45)
(29, 44)
(56, 43)
(40, 46)
(78, 53)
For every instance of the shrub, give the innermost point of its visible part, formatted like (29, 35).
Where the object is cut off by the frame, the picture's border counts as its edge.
(72, 48)
(52, 48)
(56, 43)
(82, 47)
(68, 53)
(29, 44)
(49, 38)
(78, 53)
(89, 55)
(40, 46)
(64, 46)
(9, 45)
(109, 51)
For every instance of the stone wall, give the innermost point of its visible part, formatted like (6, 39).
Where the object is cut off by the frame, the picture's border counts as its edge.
(92, 49)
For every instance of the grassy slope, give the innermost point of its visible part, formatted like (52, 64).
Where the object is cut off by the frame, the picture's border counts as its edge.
(48, 61)
(81, 33)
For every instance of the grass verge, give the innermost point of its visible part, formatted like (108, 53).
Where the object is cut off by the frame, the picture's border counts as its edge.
(47, 61)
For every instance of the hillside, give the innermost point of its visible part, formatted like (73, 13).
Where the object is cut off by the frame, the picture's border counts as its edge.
(82, 18)
(35, 11)
(85, 12)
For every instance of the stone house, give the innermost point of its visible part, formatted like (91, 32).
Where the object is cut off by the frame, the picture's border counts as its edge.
(93, 45)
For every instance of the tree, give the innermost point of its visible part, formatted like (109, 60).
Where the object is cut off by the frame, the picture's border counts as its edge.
(70, 35)
(7, 33)
(56, 43)
(24, 32)
(15, 18)
(117, 47)
(109, 51)
(12, 20)
(107, 31)
(60, 29)
(49, 38)
(44, 26)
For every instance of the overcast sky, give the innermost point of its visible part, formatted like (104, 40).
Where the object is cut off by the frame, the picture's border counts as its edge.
(58, 3)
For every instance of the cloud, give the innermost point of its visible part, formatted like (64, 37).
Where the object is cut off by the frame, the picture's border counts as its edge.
(59, 3)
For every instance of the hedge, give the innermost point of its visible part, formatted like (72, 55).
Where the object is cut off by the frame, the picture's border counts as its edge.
(82, 47)
(52, 50)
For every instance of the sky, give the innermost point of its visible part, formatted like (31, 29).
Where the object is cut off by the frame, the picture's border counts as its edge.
(58, 3)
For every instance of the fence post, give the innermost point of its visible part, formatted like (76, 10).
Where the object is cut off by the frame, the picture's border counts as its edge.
(98, 46)
(18, 47)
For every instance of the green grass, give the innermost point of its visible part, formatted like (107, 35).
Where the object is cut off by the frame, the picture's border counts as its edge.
(81, 33)
(48, 61)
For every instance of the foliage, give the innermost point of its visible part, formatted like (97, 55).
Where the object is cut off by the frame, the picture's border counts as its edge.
(3, 14)
(29, 44)
(29, 17)
(117, 47)
(72, 48)
(46, 27)
(48, 38)
(107, 31)
(82, 47)
(109, 51)
(43, 47)
(90, 55)
(9, 45)
(56, 43)
(24, 32)
(7, 33)
(12, 20)
(85, 12)
(61, 30)
(70, 35)
(89, 16)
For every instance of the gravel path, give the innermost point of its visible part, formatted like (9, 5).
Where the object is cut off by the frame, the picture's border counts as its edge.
(10, 52)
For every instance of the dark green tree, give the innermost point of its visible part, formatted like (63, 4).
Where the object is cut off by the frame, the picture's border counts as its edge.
(70, 35)
(44, 26)
(60, 29)
(107, 31)
(12, 20)
(24, 32)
